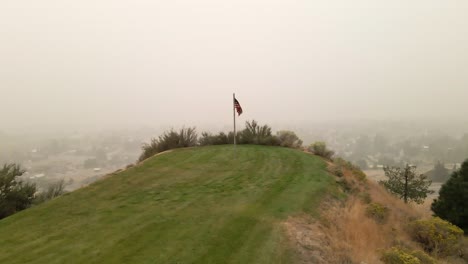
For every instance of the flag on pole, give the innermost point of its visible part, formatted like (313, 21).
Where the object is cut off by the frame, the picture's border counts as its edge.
(237, 107)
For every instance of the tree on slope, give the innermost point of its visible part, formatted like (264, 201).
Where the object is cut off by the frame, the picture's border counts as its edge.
(404, 183)
(14, 194)
(452, 204)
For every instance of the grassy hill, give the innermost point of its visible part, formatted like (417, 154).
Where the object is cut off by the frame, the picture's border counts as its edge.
(198, 205)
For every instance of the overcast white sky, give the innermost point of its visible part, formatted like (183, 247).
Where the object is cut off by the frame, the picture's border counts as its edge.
(111, 62)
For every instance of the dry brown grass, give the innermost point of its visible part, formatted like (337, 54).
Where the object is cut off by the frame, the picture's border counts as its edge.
(345, 233)
(356, 238)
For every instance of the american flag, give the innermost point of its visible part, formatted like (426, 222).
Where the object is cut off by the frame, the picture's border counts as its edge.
(237, 107)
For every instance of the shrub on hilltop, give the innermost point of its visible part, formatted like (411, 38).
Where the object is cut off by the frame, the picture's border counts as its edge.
(355, 170)
(186, 137)
(253, 133)
(288, 139)
(208, 139)
(320, 148)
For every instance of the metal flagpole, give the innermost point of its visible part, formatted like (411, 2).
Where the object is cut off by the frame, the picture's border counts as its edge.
(234, 115)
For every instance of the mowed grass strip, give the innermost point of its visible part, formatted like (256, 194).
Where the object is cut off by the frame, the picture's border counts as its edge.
(198, 205)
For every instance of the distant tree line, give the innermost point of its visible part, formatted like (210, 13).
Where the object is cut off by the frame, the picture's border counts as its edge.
(253, 133)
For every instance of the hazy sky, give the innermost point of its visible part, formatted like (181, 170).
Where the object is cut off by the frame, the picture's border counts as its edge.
(103, 62)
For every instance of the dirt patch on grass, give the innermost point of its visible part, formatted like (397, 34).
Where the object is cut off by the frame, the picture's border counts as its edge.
(309, 239)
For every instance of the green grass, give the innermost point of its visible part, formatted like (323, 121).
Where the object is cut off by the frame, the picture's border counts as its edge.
(198, 205)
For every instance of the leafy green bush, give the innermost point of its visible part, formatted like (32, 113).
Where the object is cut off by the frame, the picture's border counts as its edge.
(437, 236)
(320, 148)
(378, 212)
(186, 137)
(398, 255)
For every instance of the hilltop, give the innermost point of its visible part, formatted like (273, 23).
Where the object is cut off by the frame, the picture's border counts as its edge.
(195, 205)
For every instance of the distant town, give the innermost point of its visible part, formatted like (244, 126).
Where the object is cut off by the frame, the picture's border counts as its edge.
(82, 157)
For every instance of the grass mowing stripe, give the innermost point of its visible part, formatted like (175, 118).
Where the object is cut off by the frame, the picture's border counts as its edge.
(198, 205)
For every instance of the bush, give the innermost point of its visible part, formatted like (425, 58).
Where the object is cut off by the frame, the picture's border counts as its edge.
(208, 139)
(150, 149)
(365, 197)
(336, 170)
(253, 134)
(186, 137)
(437, 236)
(320, 148)
(288, 139)
(355, 170)
(15, 195)
(257, 134)
(53, 190)
(345, 185)
(397, 255)
(378, 212)
(423, 257)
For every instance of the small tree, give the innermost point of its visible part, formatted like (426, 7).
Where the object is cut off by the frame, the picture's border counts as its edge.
(14, 194)
(404, 183)
(452, 204)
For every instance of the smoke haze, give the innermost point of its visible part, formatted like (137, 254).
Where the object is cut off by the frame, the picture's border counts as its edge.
(117, 63)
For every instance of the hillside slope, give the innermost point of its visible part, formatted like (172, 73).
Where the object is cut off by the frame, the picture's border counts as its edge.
(199, 205)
